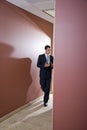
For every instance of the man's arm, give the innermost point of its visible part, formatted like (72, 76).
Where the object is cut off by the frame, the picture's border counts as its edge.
(40, 63)
(52, 62)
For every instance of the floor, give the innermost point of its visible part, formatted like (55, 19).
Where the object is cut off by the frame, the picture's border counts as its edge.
(33, 117)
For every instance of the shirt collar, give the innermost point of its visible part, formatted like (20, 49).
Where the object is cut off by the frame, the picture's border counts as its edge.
(47, 55)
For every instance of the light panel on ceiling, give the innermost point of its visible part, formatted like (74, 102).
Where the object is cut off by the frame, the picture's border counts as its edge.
(50, 12)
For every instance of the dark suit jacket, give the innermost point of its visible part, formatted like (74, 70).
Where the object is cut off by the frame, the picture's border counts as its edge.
(45, 72)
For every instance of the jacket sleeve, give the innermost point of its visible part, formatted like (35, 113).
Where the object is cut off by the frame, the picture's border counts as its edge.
(52, 58)
(40, 62)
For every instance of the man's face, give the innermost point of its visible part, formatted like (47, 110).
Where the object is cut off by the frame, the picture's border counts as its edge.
(48, 50)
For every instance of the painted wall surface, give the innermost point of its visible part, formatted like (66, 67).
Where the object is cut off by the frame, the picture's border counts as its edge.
(22, 39)
(70, 68)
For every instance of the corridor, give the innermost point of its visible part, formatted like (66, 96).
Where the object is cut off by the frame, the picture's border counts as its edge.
(32, 117)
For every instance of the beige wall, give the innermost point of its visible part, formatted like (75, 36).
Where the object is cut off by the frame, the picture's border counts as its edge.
(22, 38)
(70, 68)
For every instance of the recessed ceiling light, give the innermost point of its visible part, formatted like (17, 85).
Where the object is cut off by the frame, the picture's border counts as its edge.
(50, 12)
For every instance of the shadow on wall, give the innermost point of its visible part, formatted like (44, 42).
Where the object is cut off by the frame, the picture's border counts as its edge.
(15, 80)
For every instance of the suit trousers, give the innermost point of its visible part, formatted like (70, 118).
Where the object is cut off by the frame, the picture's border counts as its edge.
(45, 85)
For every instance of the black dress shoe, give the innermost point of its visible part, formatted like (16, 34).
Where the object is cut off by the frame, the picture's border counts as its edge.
(45, 104)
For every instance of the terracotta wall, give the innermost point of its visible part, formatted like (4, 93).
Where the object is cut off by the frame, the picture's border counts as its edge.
(70, 69)
(22, 38)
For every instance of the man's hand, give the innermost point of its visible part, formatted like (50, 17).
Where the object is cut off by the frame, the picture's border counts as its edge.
(46, 65)
(51, 65)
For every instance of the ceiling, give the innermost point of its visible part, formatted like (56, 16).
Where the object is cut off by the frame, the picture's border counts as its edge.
(42, 8)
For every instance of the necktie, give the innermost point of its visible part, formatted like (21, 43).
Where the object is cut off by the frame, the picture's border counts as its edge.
(48, 59)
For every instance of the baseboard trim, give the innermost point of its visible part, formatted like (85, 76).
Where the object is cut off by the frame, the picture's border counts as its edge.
(18, 109)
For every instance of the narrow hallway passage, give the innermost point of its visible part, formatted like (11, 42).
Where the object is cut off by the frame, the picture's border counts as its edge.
(32, 117)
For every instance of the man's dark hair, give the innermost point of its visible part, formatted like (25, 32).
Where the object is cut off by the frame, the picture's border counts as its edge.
(47, 46)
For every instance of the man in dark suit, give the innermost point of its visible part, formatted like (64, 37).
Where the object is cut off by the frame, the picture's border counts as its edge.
(45, 63)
